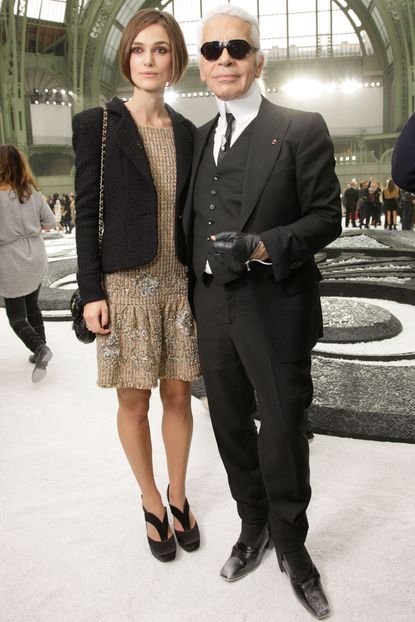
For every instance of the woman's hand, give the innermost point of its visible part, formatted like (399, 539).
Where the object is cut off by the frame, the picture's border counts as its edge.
(96, 316)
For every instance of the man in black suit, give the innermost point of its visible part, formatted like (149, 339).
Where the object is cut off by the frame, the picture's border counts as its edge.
(263, 200)
(351, 197)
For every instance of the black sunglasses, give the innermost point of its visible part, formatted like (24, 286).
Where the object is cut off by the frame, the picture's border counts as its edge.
(237, 49)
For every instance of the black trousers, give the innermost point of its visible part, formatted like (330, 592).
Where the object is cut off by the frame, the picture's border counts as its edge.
(268, 472)
(350, 216)
(25, 318)
(367, 214)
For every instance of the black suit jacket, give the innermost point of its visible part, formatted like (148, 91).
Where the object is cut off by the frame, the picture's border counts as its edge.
(130, 198)
(351, 197)
(291, 197)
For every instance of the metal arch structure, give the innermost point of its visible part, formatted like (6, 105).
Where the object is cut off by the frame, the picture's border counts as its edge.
(86, 30)
(89, 23)
(398, 17)
(401, 14)
(16, 62)
(101, 14)
(12, 73)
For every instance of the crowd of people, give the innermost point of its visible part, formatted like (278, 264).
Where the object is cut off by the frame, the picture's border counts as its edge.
(63, 206)
(370, 204)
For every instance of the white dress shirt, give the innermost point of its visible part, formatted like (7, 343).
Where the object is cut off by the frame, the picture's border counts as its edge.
(244, 109)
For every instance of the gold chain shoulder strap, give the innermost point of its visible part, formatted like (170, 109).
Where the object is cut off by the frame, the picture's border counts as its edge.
(101, 178)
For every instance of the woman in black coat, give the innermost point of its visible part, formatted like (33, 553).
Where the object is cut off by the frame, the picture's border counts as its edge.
(135, 290)
(66, 213)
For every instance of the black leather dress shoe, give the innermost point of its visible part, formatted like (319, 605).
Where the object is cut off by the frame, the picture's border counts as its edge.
(308, 591)
(244, 559)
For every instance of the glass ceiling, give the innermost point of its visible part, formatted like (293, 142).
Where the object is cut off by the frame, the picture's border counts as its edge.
(289, 28)
(47, 10)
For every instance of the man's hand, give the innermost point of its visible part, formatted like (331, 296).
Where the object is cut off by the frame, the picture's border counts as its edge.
(236, 248)
(96, 317)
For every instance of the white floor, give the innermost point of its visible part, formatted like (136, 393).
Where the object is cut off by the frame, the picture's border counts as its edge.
(72, 539)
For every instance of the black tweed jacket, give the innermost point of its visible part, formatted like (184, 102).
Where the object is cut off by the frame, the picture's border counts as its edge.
(130, 199)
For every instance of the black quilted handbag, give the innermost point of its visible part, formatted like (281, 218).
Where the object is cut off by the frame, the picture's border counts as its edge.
(79, 325)
(77, 308)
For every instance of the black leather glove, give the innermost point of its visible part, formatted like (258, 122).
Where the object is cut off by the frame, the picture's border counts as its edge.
(235, 248)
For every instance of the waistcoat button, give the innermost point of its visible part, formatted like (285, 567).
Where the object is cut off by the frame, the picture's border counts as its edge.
(213, 192)
(212, 206)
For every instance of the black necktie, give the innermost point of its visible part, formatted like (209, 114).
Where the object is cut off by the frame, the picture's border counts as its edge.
(226, 140)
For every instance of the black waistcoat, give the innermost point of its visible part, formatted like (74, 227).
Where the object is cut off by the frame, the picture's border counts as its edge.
(217, 200)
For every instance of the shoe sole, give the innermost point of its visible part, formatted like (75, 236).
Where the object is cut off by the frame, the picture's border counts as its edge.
(191, 546)
(39, 371)
(243, 574)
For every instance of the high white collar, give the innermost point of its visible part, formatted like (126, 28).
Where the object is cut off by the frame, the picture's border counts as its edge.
(243, 108)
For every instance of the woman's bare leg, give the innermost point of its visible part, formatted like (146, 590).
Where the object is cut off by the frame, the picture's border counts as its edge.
(177, 428)
(389, 218)
(134, 433)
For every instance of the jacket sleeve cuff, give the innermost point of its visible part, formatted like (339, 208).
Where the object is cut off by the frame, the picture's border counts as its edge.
(91, 289)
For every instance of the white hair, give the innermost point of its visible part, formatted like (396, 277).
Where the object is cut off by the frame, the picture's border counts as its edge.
(234, 11)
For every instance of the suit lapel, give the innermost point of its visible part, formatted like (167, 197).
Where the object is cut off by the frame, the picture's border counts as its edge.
(129, 141)
(200, 140)
(268, 134)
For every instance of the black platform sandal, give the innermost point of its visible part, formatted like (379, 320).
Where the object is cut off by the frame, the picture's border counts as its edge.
(189, 539)
(165, 549)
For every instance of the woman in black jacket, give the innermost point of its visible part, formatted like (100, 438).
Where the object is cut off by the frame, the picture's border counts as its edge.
(135, 290)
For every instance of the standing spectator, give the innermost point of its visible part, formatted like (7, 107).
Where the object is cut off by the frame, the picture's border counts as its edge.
(66, 213)
(351, 197)
(23, 259)
(390, 200)
(368, 200)
(57, 210)
(375, 191)
(360, 204)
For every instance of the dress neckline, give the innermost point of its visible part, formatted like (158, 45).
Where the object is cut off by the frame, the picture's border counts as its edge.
(151, 127)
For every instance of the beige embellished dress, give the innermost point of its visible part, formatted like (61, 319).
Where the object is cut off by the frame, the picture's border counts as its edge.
(153, 334)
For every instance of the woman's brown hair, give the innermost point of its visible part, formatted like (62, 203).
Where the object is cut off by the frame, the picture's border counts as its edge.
(143, 19)
(15, 171)
(391, 185)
